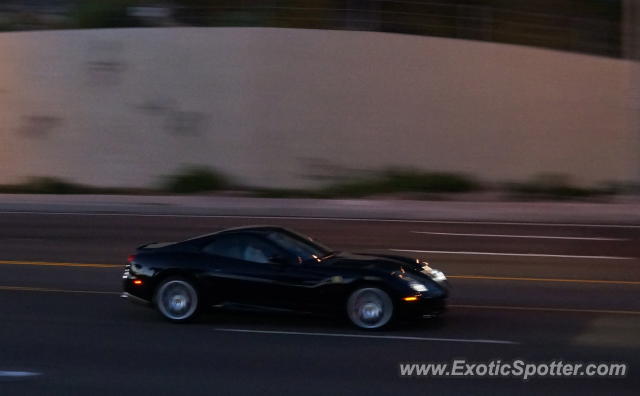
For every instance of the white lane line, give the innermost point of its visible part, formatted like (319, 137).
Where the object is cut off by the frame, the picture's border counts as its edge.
(522, 236)
(507, 223)
(380, 337)
(17, 374)
(513, 254)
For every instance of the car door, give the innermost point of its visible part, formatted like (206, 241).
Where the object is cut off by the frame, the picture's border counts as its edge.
(241, 270)
(307, 286)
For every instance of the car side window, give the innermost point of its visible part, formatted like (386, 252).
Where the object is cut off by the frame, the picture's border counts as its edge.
(225, 246)
(241, 247)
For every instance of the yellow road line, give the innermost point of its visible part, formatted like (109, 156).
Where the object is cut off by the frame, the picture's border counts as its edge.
(546, 309)
(48, 290)
(52, 264)
(524, 279)
(469, 277)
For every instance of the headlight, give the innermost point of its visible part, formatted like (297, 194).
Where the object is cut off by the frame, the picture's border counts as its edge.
(435, 274)
(419, 287)
(414, 284)
(438, 276)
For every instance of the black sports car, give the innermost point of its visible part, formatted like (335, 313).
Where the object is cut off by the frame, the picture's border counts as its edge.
(273, 267)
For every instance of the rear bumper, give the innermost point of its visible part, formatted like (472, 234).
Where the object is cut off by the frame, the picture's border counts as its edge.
(134, 299)
(142, 292)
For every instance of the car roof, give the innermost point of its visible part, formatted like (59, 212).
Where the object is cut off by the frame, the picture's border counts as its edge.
(255, 229)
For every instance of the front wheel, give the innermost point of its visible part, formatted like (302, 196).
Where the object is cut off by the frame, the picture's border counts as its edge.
(177, 300)
(369, 308)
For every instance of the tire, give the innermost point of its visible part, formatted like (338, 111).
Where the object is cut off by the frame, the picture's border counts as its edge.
(370, 308)
(177, 300)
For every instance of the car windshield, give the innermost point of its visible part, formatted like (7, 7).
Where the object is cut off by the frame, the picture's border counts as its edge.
(299, 245)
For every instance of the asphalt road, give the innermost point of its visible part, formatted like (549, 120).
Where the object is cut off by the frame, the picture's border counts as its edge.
(536, 292)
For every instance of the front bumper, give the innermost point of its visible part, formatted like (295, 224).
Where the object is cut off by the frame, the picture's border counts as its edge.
(422, 307)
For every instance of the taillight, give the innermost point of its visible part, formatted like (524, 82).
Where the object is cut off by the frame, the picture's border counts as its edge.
(127, 267)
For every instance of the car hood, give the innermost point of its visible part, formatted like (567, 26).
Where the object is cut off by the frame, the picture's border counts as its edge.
(374, 261)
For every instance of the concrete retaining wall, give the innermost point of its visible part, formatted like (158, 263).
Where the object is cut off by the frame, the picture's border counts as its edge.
(270, 107)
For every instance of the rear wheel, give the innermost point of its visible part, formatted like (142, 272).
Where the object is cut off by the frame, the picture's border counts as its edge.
(369, 308)
(177, 300)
